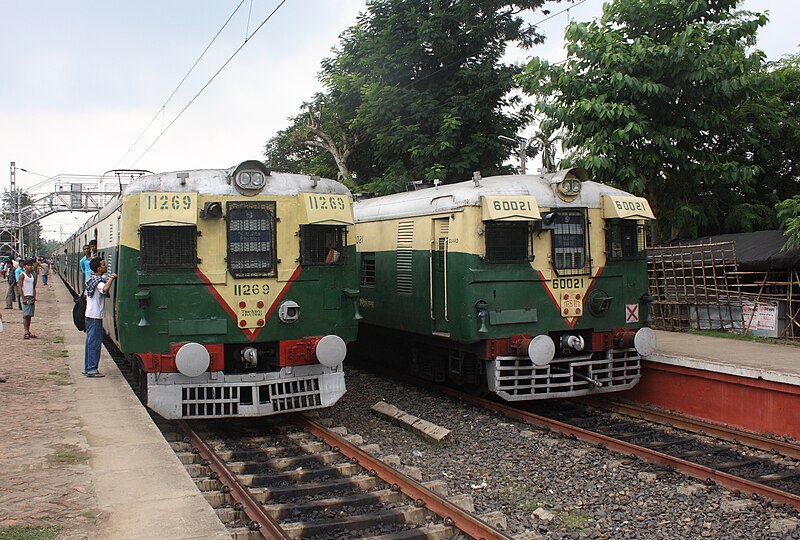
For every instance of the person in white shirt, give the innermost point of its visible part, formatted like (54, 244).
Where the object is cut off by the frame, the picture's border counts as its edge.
(97, 290)
(26, 282)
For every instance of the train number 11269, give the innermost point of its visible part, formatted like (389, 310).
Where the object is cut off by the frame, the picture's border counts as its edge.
(165, 202)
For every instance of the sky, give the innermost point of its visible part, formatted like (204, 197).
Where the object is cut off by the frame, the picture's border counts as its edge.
(90, 86)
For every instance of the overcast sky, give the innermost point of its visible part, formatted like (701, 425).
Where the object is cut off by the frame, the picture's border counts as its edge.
(81, 81)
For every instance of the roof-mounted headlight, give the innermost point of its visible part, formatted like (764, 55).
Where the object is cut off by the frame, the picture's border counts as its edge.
(250, 177)
(568, 183)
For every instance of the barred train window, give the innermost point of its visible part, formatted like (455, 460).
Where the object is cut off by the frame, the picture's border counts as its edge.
(368, 269)
(508, 241)
(570, 243)
(251, 238)
(322, 244)
(167, 248)
(624, 239)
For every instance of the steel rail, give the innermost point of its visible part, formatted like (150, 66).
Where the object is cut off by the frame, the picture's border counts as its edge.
(452, 514)
(694, 470)
(695, 425)
(266, 525)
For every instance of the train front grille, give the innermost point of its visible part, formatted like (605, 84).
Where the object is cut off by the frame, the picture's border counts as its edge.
(201, 401)
(295, 395)
(226, 399)
(516, 378)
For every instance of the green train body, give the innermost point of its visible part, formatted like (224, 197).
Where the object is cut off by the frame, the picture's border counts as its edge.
(236, 292)
(530, 287)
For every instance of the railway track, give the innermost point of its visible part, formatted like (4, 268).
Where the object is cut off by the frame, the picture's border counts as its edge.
(694, 449)
(294, 478)
(291, 477)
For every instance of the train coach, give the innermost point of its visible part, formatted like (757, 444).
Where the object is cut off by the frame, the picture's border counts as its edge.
(236, 293)
(529, 287)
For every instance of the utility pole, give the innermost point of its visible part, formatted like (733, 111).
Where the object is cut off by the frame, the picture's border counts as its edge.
(522, 149)
(20, 236)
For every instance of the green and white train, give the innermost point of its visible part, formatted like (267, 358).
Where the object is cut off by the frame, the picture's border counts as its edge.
(529, 287)
(237, 292)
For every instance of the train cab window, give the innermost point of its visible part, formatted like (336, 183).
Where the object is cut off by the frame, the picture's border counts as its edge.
(368, 269)
(167, 248)
(624, 239)
(570, 244)
(508, 241)
(322, 244)
(251, 238)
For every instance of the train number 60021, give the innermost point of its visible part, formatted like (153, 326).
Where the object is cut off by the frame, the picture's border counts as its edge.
(508, 206)
(568, 283)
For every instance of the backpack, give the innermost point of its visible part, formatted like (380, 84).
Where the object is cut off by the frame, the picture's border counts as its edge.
(79, 313)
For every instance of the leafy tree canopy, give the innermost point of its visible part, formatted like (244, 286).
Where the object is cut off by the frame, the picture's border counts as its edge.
(645, 102)
(416, 91)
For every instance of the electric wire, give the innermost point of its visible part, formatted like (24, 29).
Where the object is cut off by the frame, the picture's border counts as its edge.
(163, 107)
(211, 79)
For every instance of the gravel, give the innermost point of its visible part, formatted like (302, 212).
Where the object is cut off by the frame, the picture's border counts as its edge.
(549, 486)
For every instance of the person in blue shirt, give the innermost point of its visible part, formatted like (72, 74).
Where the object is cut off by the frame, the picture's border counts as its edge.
(17, 273)
(87, 271)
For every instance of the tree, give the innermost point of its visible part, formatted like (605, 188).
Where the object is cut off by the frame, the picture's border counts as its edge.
(31, 234)
(770, 121)
(416, 91)
(645, 97)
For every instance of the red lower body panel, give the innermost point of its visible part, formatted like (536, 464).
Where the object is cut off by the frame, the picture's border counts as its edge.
(752, 404)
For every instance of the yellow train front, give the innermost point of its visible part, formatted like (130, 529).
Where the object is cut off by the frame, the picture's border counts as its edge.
(236, 292)
(529, 287)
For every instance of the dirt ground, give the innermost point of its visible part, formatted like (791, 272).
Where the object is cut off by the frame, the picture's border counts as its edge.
(44, 472)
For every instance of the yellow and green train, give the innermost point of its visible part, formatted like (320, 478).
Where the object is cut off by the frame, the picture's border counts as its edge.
(529, 287)
(236, 293)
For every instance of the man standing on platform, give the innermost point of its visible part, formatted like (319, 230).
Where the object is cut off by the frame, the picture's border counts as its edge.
(87, 271)
(11, 279)
(45, 270)
(97, 289)
(27, 292)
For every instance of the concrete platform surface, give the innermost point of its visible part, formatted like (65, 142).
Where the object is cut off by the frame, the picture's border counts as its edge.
(133, 480)
(772, 362)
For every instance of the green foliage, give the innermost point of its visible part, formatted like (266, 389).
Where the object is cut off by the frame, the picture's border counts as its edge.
(416, 90)
(645, 99)
(789, 214)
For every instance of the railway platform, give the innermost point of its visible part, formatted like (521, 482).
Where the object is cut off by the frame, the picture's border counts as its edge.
(748, 385)
(81, 454)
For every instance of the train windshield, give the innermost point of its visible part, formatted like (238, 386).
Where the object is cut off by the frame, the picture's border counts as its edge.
(508, 241)
(570, 243)
(251, 238)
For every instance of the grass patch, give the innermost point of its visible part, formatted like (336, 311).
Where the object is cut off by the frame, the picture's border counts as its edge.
(91, 514)
(16, 532)
(58, 354)
(68, 457)
(574, 520)
(740, 337)
(520, 496)
(58, 339)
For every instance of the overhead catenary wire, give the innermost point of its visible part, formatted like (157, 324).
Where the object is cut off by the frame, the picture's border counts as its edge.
(163, 107)
(224, 65)
(247, 39)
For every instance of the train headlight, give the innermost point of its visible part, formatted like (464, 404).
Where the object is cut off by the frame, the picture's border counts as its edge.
(570, 187)
(645, 341)
(250, 177)
(192, 359)
(331, 351)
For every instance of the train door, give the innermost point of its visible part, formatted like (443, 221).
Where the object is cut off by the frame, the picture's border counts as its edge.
(439, 245)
